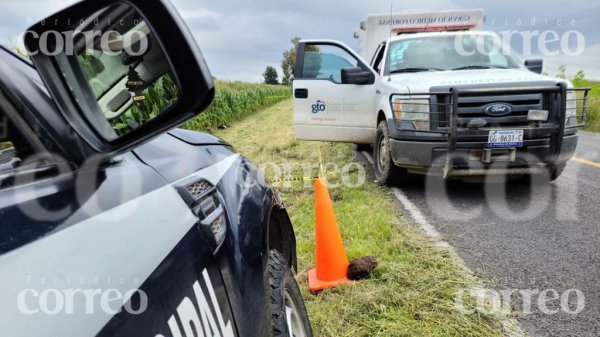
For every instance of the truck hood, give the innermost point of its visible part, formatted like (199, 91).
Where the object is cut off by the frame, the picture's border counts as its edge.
(421, 82)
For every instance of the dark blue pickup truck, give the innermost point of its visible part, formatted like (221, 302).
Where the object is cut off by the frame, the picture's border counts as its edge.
(115, 223)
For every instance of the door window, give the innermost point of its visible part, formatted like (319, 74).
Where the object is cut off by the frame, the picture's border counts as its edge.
(326, 62)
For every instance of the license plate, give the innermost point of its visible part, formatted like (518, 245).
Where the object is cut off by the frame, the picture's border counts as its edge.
(505, 138)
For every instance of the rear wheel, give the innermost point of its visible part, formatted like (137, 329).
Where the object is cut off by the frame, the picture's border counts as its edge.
(386, 172)
(287, 305)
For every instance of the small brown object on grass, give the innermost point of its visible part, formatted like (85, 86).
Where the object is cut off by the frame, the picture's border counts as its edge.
(361, 268)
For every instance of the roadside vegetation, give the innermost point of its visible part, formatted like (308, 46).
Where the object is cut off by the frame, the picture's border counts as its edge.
(235, 100)
(593, 115)
(592, 120)
(413, 289)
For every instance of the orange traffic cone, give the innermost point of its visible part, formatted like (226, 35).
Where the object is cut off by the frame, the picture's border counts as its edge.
(331, 259)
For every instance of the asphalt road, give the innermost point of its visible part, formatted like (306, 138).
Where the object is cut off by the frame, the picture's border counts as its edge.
(529, 237)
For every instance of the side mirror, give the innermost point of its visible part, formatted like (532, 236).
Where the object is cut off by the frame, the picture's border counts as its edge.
(120, 71)
(356, 75)
(535, 65)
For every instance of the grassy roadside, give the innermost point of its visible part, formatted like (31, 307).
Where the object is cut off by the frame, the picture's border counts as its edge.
(593, 117)
(412, 293)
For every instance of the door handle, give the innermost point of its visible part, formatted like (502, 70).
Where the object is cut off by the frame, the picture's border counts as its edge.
(301, 93)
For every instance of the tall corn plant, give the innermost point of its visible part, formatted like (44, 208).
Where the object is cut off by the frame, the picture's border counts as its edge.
(236, 100)
(159, 96)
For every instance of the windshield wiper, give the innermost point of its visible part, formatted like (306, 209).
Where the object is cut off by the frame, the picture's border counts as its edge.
(413, 70)
(479, 66)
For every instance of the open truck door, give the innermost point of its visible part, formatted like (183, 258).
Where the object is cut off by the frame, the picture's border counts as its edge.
(334, 94)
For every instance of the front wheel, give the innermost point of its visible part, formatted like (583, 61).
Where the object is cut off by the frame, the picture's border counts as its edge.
(386, 172)
(557, 171)
(552, 174)
(287, 305)
(363, 147)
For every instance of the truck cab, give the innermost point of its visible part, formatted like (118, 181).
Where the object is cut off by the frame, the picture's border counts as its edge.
(436, 95)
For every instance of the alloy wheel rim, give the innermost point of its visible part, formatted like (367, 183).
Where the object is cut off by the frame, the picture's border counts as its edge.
(382, 153)
(293, 319)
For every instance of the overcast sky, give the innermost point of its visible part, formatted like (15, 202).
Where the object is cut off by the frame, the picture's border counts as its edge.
(240, 38)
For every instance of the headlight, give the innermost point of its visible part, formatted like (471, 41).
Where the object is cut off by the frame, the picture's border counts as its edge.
(414, 110)
(571, 105)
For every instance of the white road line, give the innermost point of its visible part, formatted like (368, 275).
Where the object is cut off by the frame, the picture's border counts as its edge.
(510, 327)
(418, 217)
(415, 213)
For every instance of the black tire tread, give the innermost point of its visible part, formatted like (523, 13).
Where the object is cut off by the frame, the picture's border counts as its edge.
(280, 275)
(392, 175)
(557, 171)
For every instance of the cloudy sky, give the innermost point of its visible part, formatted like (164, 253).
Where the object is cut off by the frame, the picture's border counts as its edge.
(240, 38)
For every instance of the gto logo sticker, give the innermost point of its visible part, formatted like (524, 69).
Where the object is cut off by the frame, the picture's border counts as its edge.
(320, 106)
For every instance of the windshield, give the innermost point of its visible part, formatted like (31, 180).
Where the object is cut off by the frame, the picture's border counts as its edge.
(450, 52)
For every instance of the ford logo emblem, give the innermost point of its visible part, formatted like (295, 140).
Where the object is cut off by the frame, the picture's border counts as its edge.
(498, 109)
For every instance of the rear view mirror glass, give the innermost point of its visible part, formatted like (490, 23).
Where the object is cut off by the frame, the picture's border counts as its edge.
(125, 67)
(120, 72)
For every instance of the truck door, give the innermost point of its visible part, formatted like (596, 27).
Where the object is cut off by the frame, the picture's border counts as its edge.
(334, 94)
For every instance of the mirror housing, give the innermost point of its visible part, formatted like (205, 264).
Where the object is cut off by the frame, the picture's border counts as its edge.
(535, 65)
(356, 75)
(62, 74)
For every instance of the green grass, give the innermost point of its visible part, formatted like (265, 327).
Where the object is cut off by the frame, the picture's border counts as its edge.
(593, 115)
(235, 100)
(412, 292)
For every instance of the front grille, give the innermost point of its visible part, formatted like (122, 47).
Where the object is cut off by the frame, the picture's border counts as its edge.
(468, 114)
(471, 106)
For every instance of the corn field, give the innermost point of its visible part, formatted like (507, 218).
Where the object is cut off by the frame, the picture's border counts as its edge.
(235, 100)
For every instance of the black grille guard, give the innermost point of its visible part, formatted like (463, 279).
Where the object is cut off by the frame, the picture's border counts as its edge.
(446, 113)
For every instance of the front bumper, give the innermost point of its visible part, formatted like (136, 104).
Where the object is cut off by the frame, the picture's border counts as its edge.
(455, 141)
(430, 157)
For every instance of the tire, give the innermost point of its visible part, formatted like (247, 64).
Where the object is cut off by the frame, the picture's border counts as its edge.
(287, 305)
(363, 147)
(386, 172)
(552, 174)
(557, 171)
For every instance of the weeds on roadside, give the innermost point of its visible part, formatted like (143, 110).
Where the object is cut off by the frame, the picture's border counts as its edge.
(412, 292)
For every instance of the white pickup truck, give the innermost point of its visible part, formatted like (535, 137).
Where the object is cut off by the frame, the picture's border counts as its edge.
(439, 96)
